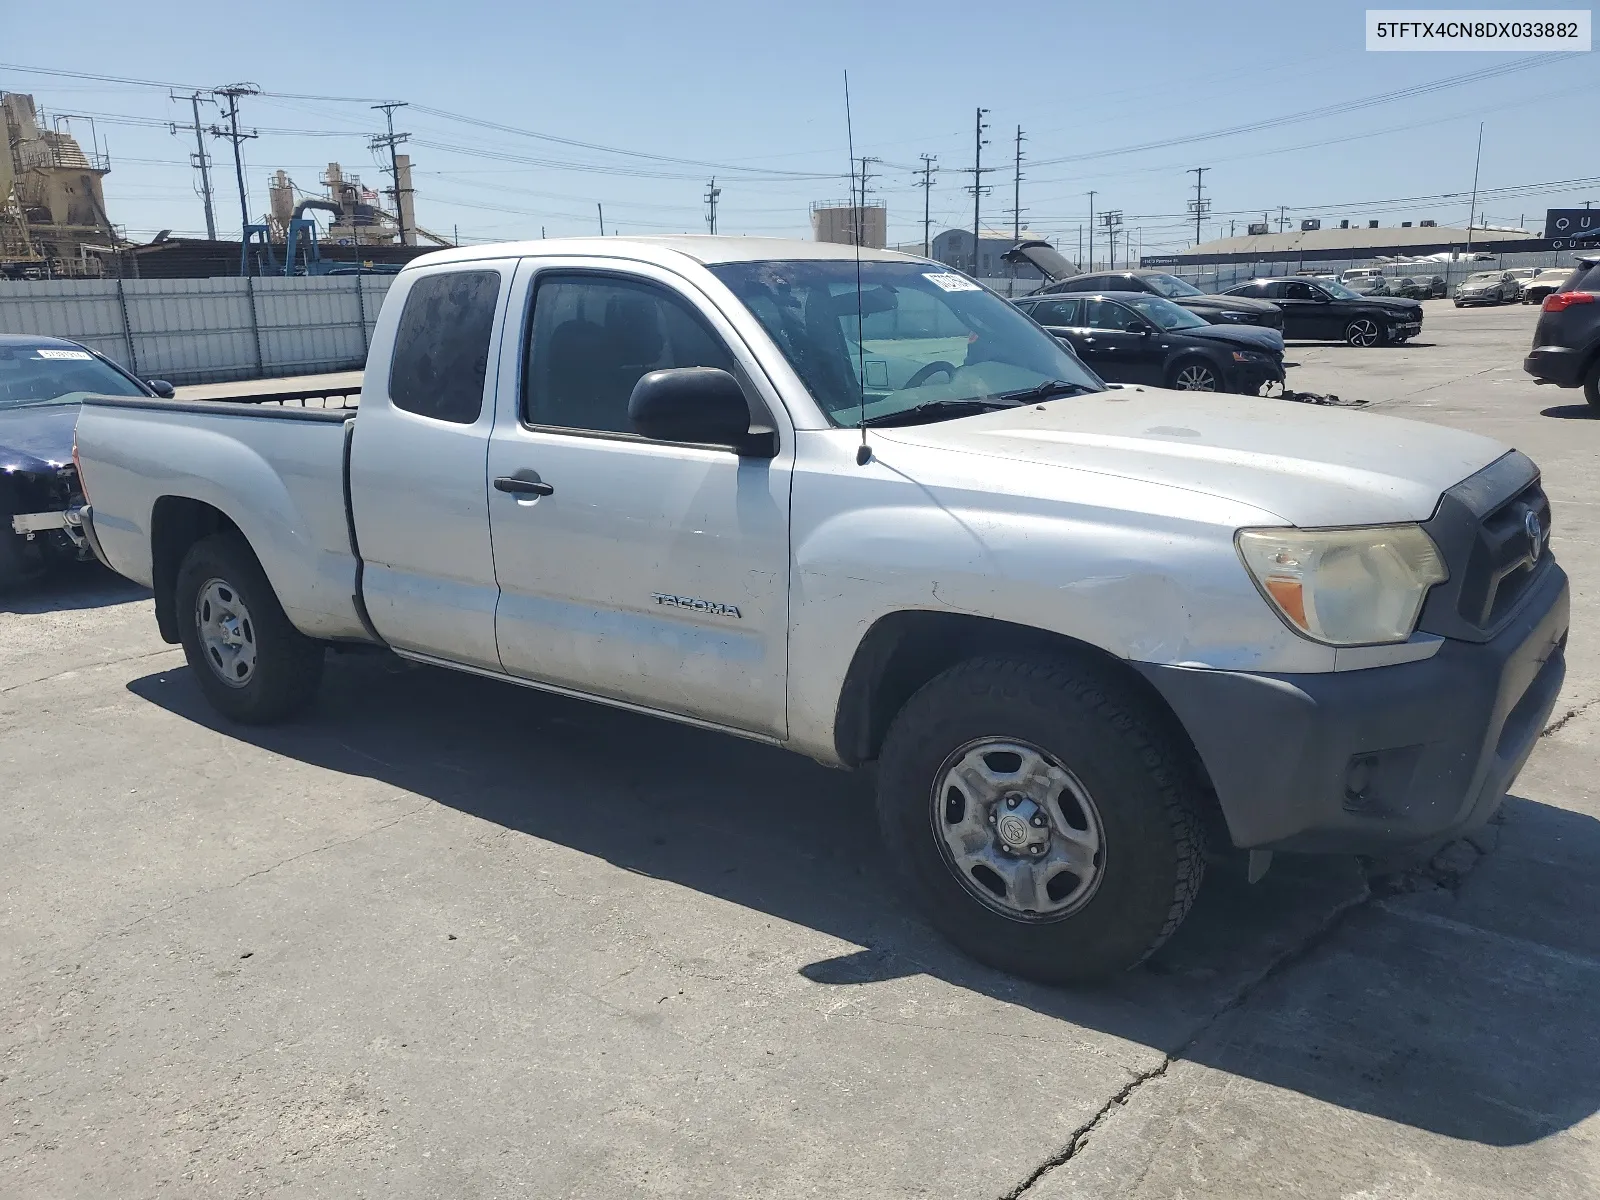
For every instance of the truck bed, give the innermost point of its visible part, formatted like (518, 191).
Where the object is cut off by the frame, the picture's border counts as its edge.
(274, 465)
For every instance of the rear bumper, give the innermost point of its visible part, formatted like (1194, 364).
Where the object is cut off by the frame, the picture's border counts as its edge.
(1378, 760)
(1559, 365)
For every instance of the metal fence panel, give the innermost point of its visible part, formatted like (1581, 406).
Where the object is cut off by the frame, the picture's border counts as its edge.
(206, 330)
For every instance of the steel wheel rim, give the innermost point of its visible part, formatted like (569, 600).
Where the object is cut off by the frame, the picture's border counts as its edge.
(1196, 378)
(227, 634)
(1362, 332)
(1018, 830)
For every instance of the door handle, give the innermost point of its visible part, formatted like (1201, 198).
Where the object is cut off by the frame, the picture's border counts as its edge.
(522, 487)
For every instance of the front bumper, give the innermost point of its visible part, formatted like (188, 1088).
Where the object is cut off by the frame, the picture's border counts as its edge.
(1377, 760)
(1249, 378)
(1404, 329)
(1559, 365)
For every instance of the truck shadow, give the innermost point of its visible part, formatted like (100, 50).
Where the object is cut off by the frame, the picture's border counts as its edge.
(71, 586)
(1413, 1020)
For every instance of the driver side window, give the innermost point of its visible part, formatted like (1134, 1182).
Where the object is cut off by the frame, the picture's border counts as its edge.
(1108, 314)
(1298, 291)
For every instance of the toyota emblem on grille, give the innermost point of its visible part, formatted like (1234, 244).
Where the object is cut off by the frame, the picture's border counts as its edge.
(1535, 531)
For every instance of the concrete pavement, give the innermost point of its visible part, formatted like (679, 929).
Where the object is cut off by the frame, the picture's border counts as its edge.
(450, 938)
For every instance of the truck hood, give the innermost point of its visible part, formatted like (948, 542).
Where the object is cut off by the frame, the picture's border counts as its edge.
(1309, 466)
(37, 438)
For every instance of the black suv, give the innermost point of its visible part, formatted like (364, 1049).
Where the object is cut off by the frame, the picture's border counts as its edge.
(1134, 337)
(1566, 341)
(1325, 310)
(1064, 277)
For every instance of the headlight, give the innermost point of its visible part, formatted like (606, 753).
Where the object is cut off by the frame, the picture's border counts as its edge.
(1248, 356)
(1233, 316)
(1345, 587)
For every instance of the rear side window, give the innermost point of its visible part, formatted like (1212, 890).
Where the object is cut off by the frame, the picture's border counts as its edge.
(441, 352)
(1091, 283)
(1582, 280)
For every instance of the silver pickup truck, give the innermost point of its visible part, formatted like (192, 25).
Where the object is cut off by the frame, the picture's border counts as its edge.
(1090, 636)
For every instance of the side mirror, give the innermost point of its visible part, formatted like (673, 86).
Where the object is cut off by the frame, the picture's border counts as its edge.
(162, 388)
(703, 405)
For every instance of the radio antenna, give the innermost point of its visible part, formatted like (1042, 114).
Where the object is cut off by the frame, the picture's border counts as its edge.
(863, 451)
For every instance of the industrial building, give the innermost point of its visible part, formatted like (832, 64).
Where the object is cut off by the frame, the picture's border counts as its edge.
(844, 222)
(1350, 241)
(53, 221)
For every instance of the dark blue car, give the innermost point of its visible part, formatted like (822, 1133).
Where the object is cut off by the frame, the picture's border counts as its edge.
(42, 380)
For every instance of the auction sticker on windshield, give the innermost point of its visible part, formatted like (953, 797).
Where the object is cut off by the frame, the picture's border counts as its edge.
(74, 355)
(951, 282)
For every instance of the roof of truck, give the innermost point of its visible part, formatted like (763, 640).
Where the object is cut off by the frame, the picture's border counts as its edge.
(702, 248)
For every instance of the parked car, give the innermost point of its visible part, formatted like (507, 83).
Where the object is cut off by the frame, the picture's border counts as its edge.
(42, 381)
(1411, 288)
(1549, 280)
(1369, 285)
(1134, 337)
(1438, 288)
(1487, 287)
(1218, 310)
(1566, 341)
(854, 505)
(1332, 312)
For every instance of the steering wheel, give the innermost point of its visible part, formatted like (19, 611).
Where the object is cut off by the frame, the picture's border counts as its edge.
(928, 370)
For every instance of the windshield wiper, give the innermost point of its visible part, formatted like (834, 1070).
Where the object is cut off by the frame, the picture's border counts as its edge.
(935, 410)
(1047, 390)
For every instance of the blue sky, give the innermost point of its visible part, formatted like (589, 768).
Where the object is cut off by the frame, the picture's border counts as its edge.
(756, 89)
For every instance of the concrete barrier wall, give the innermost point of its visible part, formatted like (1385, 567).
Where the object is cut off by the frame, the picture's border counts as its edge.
(206, 330)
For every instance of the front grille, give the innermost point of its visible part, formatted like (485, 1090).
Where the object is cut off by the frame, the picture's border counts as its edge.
(1506, 556)
(1485, 527)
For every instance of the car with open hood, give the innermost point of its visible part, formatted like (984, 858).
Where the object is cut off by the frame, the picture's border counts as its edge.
(42, 383)
(1062, 276)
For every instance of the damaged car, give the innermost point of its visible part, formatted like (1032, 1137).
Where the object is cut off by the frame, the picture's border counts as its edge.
(42, 383)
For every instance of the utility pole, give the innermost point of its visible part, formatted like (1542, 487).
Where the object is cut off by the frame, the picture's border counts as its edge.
(391, 140)
(860, 203)
(926, 184)
(1476, 163)
(201, 160)
(712, 192)
(600, 208)
(1199, 206)
(977, 170)
(1283, 221)
(1092, 195)
(233, 92)
(1112, 220)
(1016, 190)
(1080, 247)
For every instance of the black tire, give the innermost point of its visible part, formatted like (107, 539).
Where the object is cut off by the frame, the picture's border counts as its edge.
(1197, 369)
(1591, 385)
(1144, 797)
(287, 665)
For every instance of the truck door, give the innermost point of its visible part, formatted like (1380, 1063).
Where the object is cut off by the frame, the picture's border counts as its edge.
(650, 572)
(416, 464)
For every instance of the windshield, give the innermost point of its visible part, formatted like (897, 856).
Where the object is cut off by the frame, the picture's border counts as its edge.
(1337, 290)
(1171, 286)
(1484, 277)
(1164, 312)
(927, 337)
(57, 374)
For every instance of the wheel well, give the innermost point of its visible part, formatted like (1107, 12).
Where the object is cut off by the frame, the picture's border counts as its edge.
(176, 524)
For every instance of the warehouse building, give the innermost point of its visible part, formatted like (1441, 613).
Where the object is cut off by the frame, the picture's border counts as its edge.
(1350, 242)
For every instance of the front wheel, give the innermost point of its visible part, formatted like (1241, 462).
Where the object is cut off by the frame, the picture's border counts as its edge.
(1363, 332)
(252, 664)
(1041, 817)
(1194, 376)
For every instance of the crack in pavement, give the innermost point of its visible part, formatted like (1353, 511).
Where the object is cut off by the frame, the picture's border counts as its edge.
(1571, 714)
(1329, 925)
(93, 666)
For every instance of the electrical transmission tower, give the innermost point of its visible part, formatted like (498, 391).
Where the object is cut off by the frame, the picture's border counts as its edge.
(1199, 206)
(389, 141)
(238, 138)
(710, 198)
(200, 159)
(926, 184)
(977, 170)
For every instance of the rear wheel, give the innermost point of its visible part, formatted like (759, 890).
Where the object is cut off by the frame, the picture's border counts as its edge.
(1363, 332)
(1194, 375)
(1041, 817)
(252, 664)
